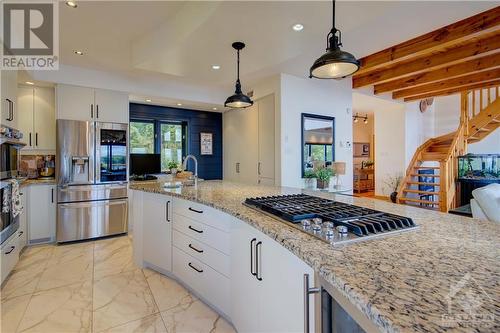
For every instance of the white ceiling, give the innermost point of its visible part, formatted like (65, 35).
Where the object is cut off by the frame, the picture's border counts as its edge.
(179, 40)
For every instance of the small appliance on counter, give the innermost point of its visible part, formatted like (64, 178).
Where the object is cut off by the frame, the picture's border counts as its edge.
(48, 169)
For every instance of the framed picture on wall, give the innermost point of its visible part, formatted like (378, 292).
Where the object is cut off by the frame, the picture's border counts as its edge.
(206, 143)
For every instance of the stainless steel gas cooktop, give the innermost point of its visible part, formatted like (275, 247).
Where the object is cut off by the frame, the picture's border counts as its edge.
(331, 221)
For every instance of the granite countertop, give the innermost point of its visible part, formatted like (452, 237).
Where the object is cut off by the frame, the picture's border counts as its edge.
(442, 277)
(48, 181)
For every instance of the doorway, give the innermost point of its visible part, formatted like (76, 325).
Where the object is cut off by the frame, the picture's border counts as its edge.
(363, 131)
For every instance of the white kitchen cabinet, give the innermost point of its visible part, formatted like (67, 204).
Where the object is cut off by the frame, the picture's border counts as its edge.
(37, 120)
(157, 231)
(22, 232)
(267, 284)
(111, 106)
(266, 140)
(10, 256)
(9, 116)
(41, 213)
(254, 129)
(81, 103)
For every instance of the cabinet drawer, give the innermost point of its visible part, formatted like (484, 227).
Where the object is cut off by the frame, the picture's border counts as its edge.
(206, 254)
(215, 238)
(211, 285)
(202, 213)
(10, 255)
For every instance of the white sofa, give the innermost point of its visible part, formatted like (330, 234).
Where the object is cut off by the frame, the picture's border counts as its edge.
(486, 203)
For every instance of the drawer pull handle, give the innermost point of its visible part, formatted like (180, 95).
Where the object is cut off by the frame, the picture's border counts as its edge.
(11, 249)
(20, 233)
(193, 248)
(195, 210)
(196, 269)
(196, 230)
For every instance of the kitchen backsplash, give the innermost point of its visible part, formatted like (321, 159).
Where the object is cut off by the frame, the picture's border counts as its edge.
(31, 164)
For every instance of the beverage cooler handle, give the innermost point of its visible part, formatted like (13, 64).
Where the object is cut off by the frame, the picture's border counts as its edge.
(307, 291)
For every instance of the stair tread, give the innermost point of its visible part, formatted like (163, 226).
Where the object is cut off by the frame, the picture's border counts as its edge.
(422, 183)
(427, 167)
(420, 191)
(420, 201)
(424, 175)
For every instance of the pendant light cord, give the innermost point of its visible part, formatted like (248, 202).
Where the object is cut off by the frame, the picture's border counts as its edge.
(333, 14)
(238, 67)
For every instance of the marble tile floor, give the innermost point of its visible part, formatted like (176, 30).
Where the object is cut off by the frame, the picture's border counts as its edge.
(96, 287)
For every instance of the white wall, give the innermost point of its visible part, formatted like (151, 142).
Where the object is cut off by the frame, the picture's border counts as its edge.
(323, 97)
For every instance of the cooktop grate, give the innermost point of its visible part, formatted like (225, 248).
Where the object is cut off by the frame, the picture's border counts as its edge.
(359, 221)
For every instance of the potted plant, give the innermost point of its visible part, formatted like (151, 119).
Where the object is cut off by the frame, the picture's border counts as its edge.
(393, 183)
(323, 175)
(172, 166)
(309, 177)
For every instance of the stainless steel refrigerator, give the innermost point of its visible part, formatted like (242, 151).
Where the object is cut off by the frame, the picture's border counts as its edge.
(91, 175)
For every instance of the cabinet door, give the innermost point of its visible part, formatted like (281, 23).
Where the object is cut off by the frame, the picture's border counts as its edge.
(44, 119)
(41, 214)
(245, 288)
(231, 144)
(9, 256)
(157, 230)
(111, 106)
(249, 132)
(277, 262)
(266, 139)
(25, 113)
(9, 99)
(23, 220)
(74, 103)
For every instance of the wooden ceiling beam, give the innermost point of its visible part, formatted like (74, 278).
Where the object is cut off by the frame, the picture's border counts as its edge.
(470, 66)
(455, 90)
(488, 43)
(452, 33)
(483, 76)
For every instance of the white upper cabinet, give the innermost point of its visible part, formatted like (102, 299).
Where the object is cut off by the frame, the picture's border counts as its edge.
(74, 103)
(111, 106)
(37, 120)
(9, 99)
(81, 103)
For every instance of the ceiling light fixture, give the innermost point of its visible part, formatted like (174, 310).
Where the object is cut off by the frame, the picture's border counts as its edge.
(357, 117)
(71, 4)
(335, 63)
(298, 27)
(238, 100)
(78, 52)
(215, 109)
(30, 83)
(215, 67)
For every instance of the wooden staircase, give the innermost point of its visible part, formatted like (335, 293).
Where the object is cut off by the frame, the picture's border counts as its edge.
(430, 176)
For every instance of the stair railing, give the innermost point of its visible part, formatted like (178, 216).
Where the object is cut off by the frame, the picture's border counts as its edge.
(474, 103)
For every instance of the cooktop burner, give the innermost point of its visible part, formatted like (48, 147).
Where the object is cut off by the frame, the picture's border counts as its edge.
(331, 221)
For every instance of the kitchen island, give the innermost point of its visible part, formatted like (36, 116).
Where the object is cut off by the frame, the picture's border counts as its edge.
(444, 276)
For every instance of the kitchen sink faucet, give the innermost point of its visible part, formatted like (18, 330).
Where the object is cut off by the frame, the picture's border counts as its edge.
(184, 166)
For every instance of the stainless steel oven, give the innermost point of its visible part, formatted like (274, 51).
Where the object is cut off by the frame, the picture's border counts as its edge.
(10, 145)
(9, 223)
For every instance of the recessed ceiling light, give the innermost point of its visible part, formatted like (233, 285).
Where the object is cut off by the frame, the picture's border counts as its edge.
(297, 27)
(71, 4)
(78, 52)
(148, 100)
(30, 83)
(215, 109)
(215, 67)
(179, 104)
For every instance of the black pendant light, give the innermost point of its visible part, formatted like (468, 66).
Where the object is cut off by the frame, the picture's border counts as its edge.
(335, 63)
(238, 100)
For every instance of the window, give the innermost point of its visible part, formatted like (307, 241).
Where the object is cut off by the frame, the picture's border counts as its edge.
(171, 144)
(142, 137)
(159, 137)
